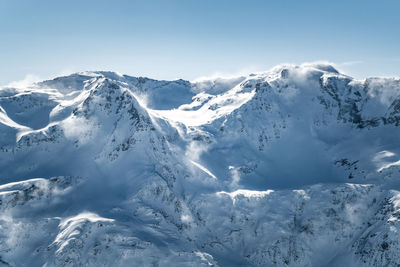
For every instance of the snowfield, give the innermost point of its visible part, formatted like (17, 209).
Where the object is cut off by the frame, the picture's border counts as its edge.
(296, 166)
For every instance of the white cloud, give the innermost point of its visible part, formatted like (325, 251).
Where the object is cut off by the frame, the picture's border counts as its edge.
(78, 128)
(225, 75)
(258, 69)
(26, 82)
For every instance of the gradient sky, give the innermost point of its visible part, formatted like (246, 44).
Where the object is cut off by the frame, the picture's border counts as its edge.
(170, 39)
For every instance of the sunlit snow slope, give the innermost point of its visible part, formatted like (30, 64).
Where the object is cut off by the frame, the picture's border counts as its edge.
(297, 166)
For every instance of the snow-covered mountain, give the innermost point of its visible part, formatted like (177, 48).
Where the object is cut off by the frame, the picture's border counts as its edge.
(297, 166)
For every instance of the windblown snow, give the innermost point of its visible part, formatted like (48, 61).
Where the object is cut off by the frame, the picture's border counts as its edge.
(296, 166)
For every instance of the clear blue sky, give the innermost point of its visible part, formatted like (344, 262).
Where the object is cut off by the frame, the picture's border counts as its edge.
(187, 38)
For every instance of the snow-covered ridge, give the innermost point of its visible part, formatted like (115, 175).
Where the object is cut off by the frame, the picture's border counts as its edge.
(295, 166)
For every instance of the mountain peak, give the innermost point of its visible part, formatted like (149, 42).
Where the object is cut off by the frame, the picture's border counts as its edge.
(275, 168)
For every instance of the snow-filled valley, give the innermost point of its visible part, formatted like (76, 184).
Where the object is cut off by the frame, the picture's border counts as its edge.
(296, 166)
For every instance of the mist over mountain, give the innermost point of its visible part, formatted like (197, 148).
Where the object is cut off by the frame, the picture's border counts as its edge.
(296, 166)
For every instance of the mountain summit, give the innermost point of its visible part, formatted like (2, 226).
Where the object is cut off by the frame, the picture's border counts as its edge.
(296, 166)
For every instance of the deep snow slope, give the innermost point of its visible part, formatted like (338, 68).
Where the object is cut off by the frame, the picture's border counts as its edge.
(297, 166)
